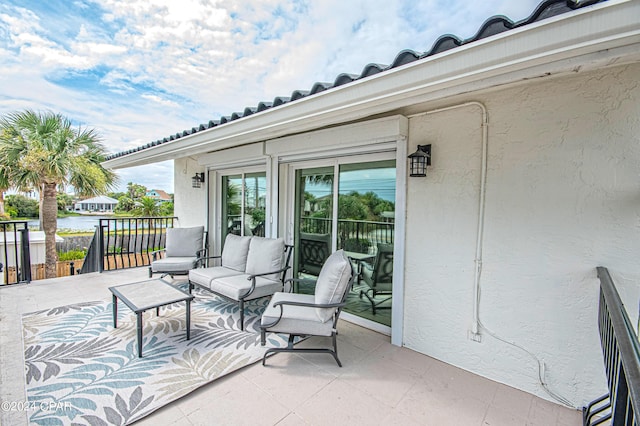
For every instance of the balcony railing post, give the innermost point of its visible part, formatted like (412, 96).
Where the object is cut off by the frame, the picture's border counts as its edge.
(101, 246)
(25, 255)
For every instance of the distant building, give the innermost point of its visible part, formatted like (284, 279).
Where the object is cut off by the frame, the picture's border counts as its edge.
(96, 204)
(159, 195)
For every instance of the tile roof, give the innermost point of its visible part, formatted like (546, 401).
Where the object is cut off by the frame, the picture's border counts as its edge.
(492, 26)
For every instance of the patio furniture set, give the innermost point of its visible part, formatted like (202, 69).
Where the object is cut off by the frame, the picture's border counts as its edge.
(249, 268)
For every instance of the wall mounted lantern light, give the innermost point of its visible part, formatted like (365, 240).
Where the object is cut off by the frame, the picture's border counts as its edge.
(197, 180)
(420, 160)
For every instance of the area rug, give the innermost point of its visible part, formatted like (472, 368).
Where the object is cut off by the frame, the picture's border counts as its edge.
(80, 370)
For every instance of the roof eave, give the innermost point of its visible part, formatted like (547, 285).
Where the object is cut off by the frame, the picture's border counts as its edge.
(590, 37)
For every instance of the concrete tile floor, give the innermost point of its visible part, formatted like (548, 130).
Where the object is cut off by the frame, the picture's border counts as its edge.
(379, 383)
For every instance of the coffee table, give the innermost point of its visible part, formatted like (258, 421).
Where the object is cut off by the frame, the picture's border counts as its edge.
(149, 294)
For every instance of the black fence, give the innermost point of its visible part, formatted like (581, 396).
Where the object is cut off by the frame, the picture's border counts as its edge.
(15, 258)
(126, 242)
(353, 235)
(621, 353)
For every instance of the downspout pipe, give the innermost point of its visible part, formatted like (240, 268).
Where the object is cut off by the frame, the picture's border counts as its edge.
(475, 323)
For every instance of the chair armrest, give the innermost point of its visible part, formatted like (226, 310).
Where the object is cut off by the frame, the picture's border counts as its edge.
(155, 253)
(253, 277)
(291, 281)
(200, 260)
(279, 271)
(310, 305)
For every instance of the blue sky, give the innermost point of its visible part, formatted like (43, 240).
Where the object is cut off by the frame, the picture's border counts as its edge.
(138, 71)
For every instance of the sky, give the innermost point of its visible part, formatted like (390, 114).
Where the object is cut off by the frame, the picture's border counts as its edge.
(141, 70)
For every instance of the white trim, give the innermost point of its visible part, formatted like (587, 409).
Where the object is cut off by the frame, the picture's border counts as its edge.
(396, 151)
(216, 213)
(241, 156)
(340, 152)
(371, 325)
(400, 223)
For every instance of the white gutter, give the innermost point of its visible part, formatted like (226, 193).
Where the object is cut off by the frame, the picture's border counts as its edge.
(591, 37)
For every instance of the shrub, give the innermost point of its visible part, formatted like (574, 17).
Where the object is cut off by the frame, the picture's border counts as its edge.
(72, 255)
(356, 245)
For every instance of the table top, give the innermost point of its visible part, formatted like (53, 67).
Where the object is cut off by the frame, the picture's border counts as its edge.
(149, 294)
(359, 256)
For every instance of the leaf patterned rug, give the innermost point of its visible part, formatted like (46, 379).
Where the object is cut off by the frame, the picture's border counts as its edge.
(80, 370)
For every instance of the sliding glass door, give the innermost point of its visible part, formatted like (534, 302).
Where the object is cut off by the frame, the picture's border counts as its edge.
(243, 207)
(348, 206)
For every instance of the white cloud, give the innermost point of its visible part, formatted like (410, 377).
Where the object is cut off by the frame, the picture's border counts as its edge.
(141, 70)
(161, 101)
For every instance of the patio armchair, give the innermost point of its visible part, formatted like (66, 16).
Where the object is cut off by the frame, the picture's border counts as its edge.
(311, 314)
(379, 277)
(314, 250)
(251, 268)
(183, 247)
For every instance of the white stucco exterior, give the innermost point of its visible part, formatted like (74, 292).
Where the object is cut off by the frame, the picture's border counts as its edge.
(562, 198)
(561, 99)
(190, 204)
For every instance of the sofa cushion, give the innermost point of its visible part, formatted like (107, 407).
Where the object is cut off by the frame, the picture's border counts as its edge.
(332, 283)
(184, 242)
(235, 251)
(174, 264)
(204, 276)
(236, 286)
(265, 255)
(295, 319)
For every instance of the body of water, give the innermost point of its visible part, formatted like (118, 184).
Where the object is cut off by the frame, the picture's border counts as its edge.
(75, 223)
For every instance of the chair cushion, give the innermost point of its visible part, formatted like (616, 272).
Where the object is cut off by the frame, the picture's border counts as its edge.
(184, 242)
(235, 251)
(332, 283)
(174, 264)
(237, 285)
(204, 276)
(295, 319)
(265, 255)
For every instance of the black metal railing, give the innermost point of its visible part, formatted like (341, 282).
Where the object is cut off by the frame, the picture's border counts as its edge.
(621, 352)
(353, 235)
(126, 242)
(15, 257)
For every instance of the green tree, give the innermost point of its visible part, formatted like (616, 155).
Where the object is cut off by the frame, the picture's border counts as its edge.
(116, 195)
(136, 191)
(64, 200)
(166, 208)
(350, 206)
(21, 206)
(4, 185)
(42, 150)
(147, 207)
(125, 204)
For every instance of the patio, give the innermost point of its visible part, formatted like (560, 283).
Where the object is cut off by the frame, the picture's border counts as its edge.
(379, 383)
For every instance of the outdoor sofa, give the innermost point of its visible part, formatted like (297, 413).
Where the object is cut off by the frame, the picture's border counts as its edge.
(250, 268)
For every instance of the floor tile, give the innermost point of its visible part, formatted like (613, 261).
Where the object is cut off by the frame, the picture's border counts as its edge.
(341, 403)
(378, 383)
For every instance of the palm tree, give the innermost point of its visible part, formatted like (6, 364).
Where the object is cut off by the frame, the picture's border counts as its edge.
(4, 185)
(42, 151)
(147, 207)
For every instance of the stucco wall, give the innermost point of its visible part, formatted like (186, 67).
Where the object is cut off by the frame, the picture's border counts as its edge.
(190, 204)
(563, 196)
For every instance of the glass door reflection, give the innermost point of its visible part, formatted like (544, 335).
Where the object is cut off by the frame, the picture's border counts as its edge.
(360, 218)
(313, 223)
